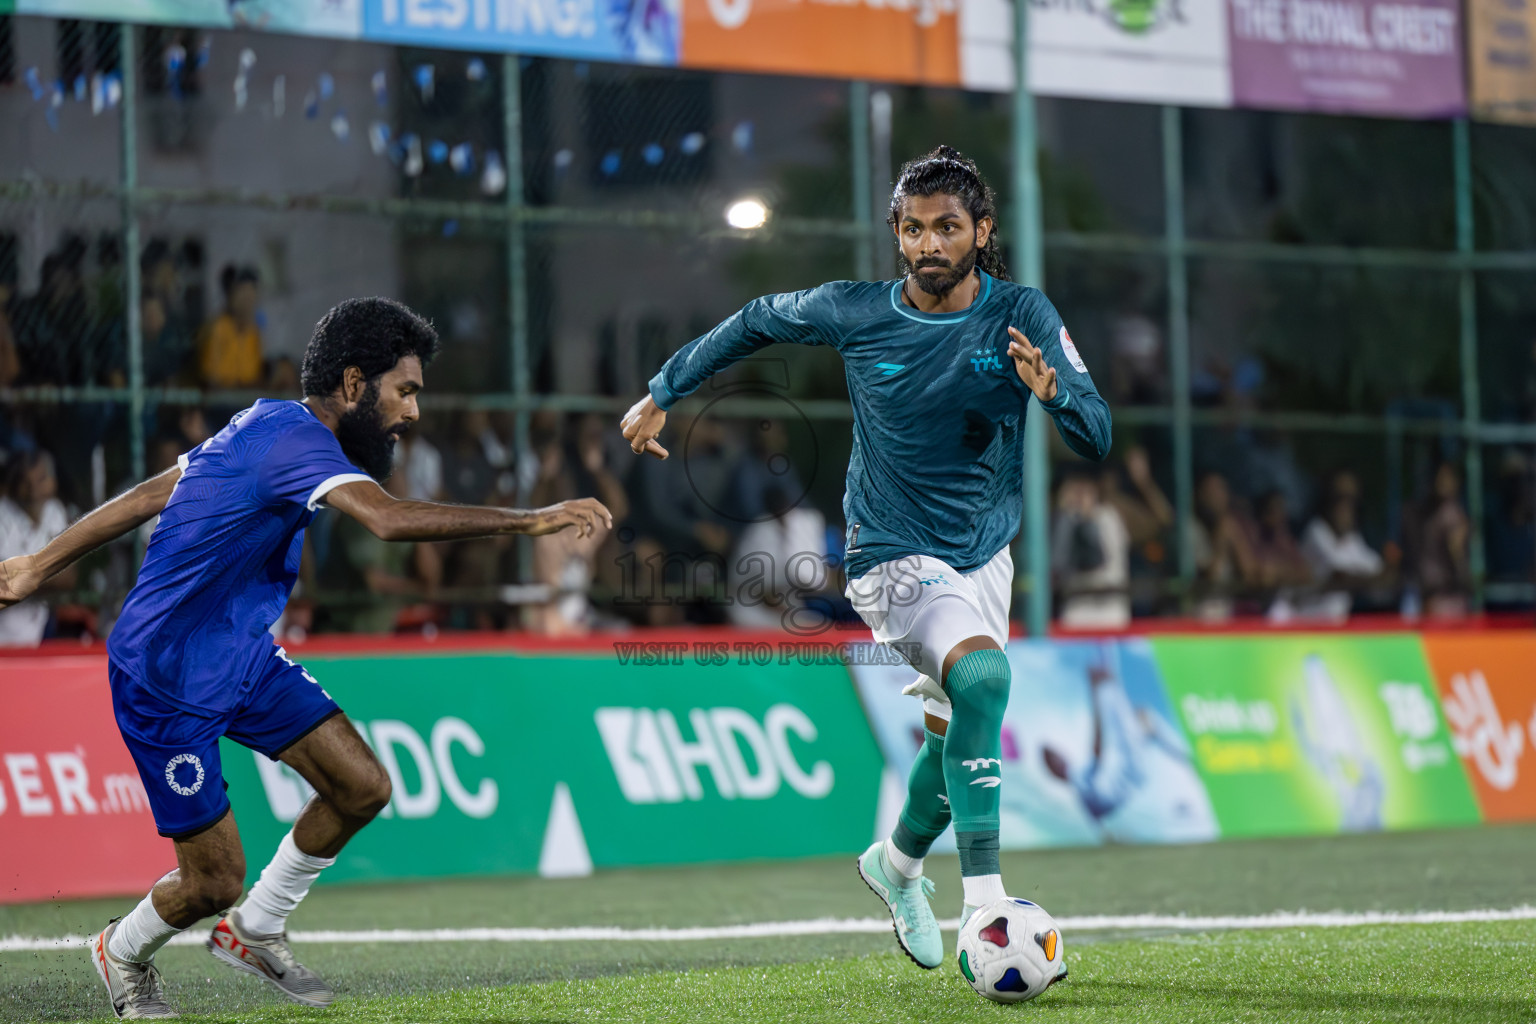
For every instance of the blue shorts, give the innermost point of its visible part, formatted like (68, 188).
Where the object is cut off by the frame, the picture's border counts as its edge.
(178, 752)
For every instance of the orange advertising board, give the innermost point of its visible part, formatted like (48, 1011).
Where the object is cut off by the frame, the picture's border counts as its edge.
(74, 820)
(1488, 689)
(886, 40)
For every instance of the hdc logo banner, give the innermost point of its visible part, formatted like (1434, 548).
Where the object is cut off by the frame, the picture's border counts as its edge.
(510, 763)
(74, 819)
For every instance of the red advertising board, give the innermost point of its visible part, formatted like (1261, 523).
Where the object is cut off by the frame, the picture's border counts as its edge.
(74, 820)
(1488, 689)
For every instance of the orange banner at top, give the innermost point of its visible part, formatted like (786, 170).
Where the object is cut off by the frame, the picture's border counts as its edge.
(888, 40)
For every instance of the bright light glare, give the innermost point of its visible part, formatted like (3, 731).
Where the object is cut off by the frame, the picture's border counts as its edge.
(746, 214)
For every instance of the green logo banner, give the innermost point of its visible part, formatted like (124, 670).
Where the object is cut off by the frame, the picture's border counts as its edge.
(1309, 734)
(511, 763)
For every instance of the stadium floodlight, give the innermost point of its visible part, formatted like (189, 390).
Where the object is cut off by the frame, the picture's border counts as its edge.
(747, 214)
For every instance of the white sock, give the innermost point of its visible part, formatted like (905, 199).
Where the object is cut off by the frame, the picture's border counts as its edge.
(140, 935)
(906, 866)
(283, 883)
(983, 890)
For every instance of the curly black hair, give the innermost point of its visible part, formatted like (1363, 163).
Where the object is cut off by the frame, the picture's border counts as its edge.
(370, 334)
(947, 171)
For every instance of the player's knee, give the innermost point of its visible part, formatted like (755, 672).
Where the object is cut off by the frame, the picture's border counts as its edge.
(979, 683)
(215, 893)
(370, 795)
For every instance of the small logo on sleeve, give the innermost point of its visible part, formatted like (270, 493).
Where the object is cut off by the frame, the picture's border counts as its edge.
(1070, 351)
(890, 369)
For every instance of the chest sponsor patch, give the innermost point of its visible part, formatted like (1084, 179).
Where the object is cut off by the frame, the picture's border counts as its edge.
(1070, 351)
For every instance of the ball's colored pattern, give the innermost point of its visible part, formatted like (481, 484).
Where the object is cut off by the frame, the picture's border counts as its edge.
(1011, 951)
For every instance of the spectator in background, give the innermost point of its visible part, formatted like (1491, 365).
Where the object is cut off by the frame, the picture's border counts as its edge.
(229, 348)
(568, 565)
(765, 466)
(779, 561)
(1282, 565)
(1224, 561)
(1339, 555)
(167, 348)
(31, 515)
(10, 358)
(1437, 534)
(373, 580)
(282, 377)
(54, 328)
(1512, 517)
(1143, 507)
(1090, 557)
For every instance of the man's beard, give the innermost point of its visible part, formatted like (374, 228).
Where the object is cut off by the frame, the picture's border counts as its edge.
(364, 438)
(942, 284)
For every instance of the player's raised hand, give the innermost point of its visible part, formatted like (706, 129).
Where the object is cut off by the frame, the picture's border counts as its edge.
(641, 425)
(1030, 362)
(19, 579)
(586, 514)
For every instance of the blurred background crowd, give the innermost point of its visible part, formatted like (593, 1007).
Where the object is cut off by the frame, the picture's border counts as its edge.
(1345, 409)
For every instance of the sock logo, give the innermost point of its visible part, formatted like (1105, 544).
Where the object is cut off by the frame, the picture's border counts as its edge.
(988, 781)
(978, 763)
(170, 773)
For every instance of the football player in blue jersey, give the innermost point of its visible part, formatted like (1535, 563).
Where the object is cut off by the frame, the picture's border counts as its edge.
(941, 365)
(191, 660)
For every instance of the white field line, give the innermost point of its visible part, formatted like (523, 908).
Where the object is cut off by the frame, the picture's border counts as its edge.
(832, 926)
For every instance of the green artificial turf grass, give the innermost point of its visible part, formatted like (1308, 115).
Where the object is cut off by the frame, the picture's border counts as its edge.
(1448, 870)
(1456, 974)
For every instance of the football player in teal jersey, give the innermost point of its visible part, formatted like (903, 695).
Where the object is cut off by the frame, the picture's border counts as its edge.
(941, 365)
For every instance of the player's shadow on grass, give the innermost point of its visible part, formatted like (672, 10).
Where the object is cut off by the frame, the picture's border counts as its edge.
(1279, 1006)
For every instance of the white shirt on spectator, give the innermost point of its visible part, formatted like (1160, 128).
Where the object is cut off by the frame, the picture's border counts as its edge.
(783, 557)
(22, 625)
(1329, 553)
(1108, 603)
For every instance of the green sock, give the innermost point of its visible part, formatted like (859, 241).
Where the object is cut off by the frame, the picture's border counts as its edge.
(973, 756)
(925, 815)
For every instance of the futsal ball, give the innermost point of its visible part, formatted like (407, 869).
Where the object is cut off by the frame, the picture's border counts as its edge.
(1011, 951)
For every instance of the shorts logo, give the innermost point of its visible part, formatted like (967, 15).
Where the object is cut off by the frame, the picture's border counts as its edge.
(170, 773)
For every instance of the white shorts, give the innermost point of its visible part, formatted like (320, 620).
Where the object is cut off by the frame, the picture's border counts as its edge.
(922, 607)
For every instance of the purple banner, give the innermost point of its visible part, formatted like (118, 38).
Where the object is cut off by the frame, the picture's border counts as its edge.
(1385, 57)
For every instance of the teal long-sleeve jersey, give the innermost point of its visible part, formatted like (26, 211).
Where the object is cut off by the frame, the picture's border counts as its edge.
(938, 408)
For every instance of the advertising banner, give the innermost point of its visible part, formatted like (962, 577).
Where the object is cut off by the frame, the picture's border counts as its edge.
(1310, 734)
(332, 18)
(1488, 689)
(1146, 51)
(627, 31)
(913, 41)
(1385, 57)
(1092, 751)
(74, 819)
(512, 763)
(1501, 48)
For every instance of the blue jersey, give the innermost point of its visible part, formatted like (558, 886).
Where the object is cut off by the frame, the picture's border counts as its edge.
(938, 408)
(225, 556)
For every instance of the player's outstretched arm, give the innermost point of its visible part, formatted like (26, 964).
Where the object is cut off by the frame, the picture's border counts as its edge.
(391, 518)
(20, 577)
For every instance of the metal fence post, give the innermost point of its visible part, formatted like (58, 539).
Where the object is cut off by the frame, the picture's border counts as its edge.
(863, 174)
(517, 282)
(1029, 270)
(129, 179)
(1471, 389)
(1178, 340)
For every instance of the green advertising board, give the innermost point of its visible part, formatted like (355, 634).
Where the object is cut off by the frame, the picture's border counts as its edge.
(557, 764)
(1316, 734)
